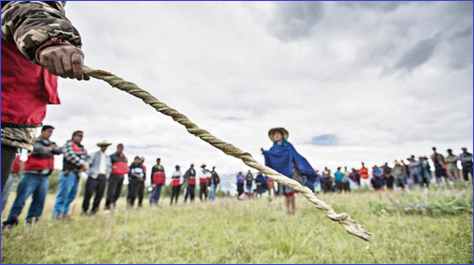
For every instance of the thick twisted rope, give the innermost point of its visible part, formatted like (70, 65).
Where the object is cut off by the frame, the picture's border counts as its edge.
(343, 219)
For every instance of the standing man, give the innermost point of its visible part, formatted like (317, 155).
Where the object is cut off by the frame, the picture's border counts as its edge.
(141, 184)
(466, 163)
(346, 185)
(99, 172)
(215, 181)
(175, 184)
(387, 174)
(414, 169)
(339, 177)
(190, 183)
(37, 168)
(38, 44)
(440, 165)
(261, 184)
(75, 160)
(364, 176)
(399, 173)
(119, 169)
(249, 184)
(453, 170)
(158, 179)
(135, 177)
(327, 180)
(240, 184)
(203, 183)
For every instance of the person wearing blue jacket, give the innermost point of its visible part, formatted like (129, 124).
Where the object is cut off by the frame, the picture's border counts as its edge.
(284, 158)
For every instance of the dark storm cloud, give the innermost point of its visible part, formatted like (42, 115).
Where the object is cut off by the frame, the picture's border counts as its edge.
(418, 54)
(295, 20)
(460, 49)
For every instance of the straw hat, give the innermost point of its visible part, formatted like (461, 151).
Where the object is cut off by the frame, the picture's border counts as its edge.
(283, 131)
(103, 143)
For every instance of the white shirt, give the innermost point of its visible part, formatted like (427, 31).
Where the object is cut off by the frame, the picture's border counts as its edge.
(103, 163)
(177, 173)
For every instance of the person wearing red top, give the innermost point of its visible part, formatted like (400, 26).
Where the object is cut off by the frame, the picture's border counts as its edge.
(119, 169)
(175, 184)
(35, 179)
(364, 176)
(158, 179)
(38, 44)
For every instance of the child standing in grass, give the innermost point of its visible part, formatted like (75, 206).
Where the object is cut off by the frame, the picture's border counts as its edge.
(284, 158)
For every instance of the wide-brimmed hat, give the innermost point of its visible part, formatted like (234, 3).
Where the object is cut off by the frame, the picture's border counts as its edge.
(103, 143)
(203, 165)
(283, 131)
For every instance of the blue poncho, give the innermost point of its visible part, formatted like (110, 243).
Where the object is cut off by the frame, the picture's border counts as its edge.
(282, 157)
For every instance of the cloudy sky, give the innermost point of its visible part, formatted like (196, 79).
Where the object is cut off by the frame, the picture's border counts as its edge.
(351, 81)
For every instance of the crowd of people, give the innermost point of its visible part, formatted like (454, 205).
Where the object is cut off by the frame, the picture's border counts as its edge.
(402, 175)
(102, 172)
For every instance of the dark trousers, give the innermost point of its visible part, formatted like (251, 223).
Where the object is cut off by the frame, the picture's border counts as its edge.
(327, 185)
(190, 191)
(465, 172)
(8, 156)
(203, 192)
(113, 191)
(339, 185)
(390, 181)
(240, 189)
(346, 186)
(97, 187)
(134, 188)
(141, 193)
(175, 194)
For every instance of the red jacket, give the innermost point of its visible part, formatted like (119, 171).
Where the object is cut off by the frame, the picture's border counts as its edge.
(38, 164)
(119, 164)
(26, 88)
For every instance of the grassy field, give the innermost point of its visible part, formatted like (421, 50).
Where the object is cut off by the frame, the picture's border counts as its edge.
(230, 231)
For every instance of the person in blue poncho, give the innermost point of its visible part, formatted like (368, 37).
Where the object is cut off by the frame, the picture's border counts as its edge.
(284, 158)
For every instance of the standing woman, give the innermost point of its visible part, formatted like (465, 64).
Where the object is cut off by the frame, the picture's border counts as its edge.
(377, 180)
(176, 184)
(284, 158)
(240, 184)
(249, 183)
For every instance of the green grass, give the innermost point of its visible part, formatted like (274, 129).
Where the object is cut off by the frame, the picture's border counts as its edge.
(230, 231)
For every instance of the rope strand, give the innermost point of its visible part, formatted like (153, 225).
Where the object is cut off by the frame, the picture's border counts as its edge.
(351, 226)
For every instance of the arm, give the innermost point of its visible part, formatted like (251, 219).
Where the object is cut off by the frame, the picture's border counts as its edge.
(72, 157)
(44, 35)
(40, 150)
(130, 172)
(57, 150)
